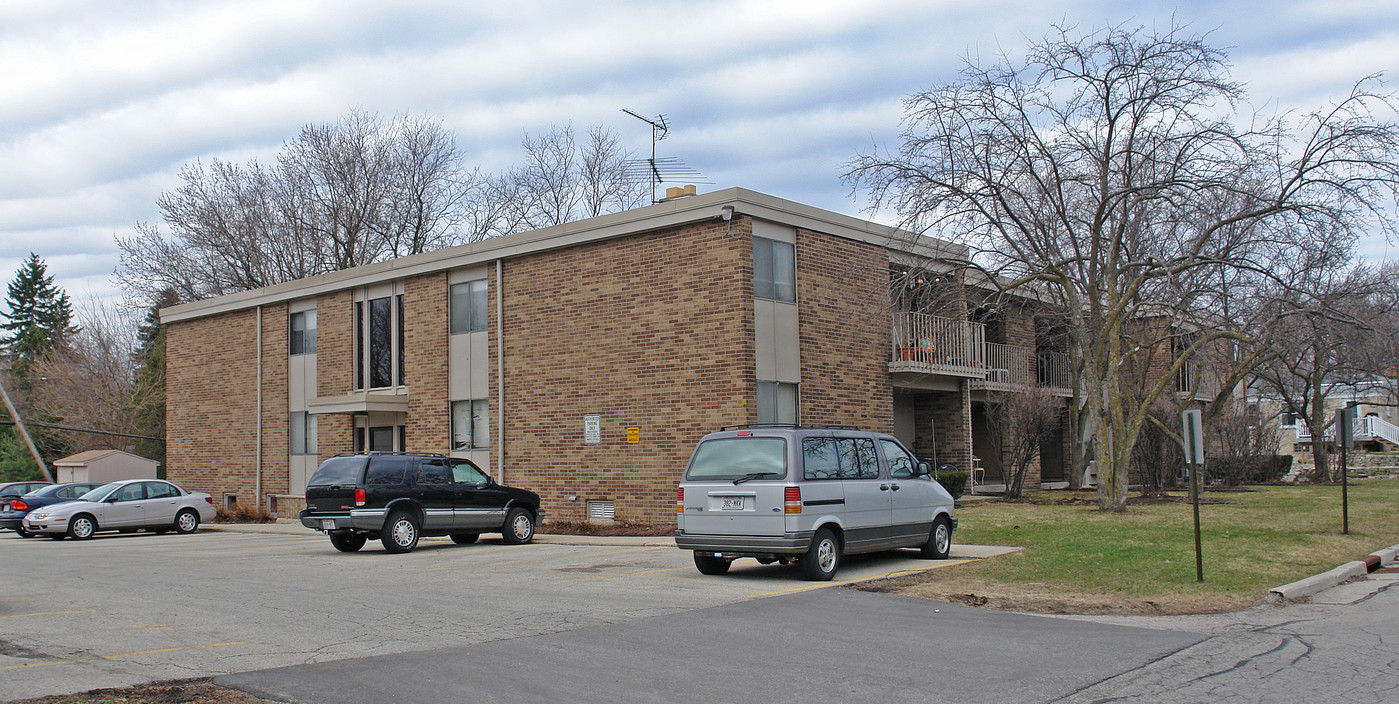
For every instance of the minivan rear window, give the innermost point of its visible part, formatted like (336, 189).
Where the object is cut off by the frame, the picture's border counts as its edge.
(338, 470)
(731, 458)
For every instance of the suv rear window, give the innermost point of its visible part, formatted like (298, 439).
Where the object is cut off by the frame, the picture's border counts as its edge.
(338, 470)
(730, 458)
(388, 470)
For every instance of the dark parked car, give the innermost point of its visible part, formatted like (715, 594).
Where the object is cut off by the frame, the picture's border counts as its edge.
(9, 490)
(397, 497)
(12, 511)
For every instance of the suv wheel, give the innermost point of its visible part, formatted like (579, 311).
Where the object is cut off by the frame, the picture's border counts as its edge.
(939, 543)
(519, 527)
(347, 542)
(711, 565)
(822, 559)
(465, 538)
(400, 532)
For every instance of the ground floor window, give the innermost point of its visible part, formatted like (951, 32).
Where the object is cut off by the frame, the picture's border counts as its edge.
(303, 433)
(380, 438)
(777, 402)
(471, 428)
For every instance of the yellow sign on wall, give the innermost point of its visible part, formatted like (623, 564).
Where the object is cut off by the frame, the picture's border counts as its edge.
(633, 435)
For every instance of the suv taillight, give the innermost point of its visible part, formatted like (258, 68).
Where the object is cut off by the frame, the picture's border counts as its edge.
(792, 497)
(680, 500)
(17, 505)
(359, 497)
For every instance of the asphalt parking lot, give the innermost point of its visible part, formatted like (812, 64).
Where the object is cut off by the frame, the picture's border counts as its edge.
(123, 609)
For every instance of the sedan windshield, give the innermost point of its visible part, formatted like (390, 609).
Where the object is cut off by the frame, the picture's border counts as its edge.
(96, 495)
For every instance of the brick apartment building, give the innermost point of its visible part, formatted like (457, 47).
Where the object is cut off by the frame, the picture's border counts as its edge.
(584, 361)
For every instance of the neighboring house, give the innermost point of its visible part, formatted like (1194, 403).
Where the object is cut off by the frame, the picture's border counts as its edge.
(102, 466)
(584, 361)
(1377, 417)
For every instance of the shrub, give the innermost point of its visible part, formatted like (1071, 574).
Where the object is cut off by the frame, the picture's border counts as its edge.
(1250, 470)
(954, 481)
(238, 513)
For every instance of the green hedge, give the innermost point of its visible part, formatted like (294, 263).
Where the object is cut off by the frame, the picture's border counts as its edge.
(954, 482)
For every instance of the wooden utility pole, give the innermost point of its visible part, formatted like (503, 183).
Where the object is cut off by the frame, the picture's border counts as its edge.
(24, 433)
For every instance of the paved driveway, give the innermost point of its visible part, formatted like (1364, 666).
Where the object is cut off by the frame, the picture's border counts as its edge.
(124, 609)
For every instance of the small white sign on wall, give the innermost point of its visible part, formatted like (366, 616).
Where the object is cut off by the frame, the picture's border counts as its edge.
(592, 429)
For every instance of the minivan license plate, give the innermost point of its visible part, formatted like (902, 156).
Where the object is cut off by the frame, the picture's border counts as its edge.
(733, 503)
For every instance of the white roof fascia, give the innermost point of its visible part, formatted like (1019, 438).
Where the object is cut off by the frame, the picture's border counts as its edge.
(671, 213)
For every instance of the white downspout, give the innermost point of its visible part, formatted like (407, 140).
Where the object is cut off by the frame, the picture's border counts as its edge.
(500, 370)
(259, 407)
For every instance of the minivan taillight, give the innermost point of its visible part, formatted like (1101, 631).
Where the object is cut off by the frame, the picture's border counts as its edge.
(359, 497)
(792, 497)
(680, 500)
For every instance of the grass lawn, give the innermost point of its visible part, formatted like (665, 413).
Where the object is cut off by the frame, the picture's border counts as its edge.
(1078, 559)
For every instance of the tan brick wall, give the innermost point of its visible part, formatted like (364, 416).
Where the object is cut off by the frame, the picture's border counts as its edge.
(425, 332)
(335, 368)
(276, 420)
(844, 330)
(653, 331)
(211, 391)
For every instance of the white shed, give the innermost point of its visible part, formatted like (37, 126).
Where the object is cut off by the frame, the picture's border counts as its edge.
(102, 466)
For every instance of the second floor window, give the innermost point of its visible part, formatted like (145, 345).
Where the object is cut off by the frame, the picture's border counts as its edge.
(468, 306)
(379, 342)
(303, 332)
(774, 270)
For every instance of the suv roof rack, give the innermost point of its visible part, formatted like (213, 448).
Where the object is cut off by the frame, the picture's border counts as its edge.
(794, 426)
(387, 452)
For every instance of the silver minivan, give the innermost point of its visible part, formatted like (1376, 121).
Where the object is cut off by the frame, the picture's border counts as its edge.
(809, 495)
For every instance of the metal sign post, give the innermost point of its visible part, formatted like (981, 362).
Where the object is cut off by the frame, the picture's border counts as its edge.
(1193, 439)
(1345, 436)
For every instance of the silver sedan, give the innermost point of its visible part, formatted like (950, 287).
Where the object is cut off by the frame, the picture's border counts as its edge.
(128, 505)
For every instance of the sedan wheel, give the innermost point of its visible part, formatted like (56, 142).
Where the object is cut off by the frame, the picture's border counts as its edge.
(519, 527)
(23, 533)
(187, 521)
(82, 526)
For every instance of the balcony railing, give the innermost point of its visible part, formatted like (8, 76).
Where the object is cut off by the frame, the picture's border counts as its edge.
(1366, 429)
(929, 344)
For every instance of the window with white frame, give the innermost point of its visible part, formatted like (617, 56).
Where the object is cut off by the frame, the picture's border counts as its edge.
(774, 270)
(302, 433)
(468, 306)
(471, 428)
(303, 332)
(777, 402)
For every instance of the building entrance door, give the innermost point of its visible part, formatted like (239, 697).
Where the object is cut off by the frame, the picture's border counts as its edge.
(381, 438)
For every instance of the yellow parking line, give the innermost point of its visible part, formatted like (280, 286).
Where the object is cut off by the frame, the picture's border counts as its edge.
(862, 579)
(50, 613)
(119, 655)
(627, 574)
(542, 559)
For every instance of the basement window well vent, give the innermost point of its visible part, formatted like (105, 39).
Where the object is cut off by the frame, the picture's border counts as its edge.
(601, 511)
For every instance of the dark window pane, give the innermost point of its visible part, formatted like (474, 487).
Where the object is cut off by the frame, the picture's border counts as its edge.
(762, 268)
(388, 470)
(338, 470)
(359, 345)
(479, 309)
(380, 343)
(401, 372)
(298, 333)
(727, 458)
(869, 461)
(784, 272)
(459, 308)
(309, 342)
(820, 458)
(381, 439)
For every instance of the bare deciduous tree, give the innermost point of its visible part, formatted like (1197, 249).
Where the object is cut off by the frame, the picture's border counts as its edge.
(1103, 169)
(1023, 420)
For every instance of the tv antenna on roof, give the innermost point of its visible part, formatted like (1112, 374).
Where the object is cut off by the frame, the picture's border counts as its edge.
(657, 170)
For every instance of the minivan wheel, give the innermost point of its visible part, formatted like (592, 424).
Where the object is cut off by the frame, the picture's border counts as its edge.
(519, 527)
(707, 564)
(400, 533)
(939, 543)
(347, 542)
(822, 559)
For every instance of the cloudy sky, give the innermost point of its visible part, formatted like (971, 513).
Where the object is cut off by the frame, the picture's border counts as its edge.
(102, 101)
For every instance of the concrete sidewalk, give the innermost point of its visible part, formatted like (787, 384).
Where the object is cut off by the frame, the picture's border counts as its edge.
(288, 526)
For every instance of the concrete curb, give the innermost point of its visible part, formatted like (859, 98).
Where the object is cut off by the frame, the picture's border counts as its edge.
(1326, 580)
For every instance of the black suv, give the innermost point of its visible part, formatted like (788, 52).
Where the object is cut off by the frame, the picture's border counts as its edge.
(398, 497)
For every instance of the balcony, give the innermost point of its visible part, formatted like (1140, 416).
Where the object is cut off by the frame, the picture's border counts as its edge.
(927, 344)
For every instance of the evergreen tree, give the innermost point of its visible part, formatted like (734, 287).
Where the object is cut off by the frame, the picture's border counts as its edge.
(38, 316)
